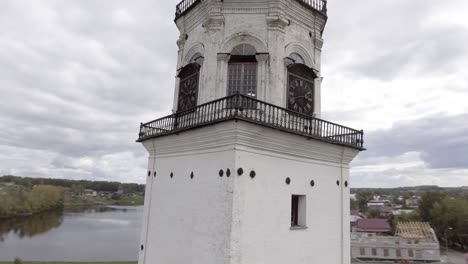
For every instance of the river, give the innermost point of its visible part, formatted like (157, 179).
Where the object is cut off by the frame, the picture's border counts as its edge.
(108, 233)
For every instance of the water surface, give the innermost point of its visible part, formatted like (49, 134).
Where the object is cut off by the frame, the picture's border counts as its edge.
(92, 234)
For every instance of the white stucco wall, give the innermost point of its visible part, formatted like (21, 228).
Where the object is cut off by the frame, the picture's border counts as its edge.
(275, 27)
(243, 220)
(189, 219)
(263, 210)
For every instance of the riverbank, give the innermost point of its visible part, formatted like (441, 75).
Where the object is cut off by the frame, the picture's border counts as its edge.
(18, 201)
(83, 200)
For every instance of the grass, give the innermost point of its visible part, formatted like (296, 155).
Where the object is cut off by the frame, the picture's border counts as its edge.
(130, 200)
(74, 201)
(65, 262)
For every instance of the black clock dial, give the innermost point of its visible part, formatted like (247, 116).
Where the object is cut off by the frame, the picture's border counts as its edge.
(301, 95)
(188, 92)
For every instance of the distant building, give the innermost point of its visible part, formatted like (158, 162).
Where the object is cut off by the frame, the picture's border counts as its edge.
(373, 225)
(355, 215)
(413, 241)
(402, 211)
(412, 202)
(7, 184)
(90, 192)
(379, 205)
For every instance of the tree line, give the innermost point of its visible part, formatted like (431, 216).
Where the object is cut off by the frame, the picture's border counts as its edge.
(103, 186)
(17, 201)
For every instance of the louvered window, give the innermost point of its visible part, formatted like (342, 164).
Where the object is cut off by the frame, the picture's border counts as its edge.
(242, 78)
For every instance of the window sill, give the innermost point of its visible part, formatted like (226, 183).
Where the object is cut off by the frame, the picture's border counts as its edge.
(298, 227)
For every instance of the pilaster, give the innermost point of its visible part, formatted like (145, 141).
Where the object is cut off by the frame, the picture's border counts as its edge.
(221, 74)
(263, 75)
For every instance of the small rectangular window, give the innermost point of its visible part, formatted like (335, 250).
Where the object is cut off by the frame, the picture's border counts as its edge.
(385, 252)
(362, 251)
(298, 211)
(398, 252)
(374, 252)
(411, 253)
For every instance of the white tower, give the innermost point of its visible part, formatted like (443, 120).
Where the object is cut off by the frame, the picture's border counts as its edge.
(244, 171)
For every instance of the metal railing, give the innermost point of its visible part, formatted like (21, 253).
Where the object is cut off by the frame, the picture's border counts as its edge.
(242, 107)
(185, 5)
(319, 5)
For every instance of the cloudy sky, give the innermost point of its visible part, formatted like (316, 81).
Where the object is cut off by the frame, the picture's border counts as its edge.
(77, 77)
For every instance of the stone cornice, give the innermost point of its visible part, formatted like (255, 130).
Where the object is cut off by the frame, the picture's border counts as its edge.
(249, 137)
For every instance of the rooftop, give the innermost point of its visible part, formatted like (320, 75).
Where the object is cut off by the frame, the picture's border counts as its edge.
(373, 225)
(416, 230)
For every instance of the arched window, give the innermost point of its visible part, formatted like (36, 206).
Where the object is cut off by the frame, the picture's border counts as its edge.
(242, 71)
(243, 50)
(195, 57)
(296, 58)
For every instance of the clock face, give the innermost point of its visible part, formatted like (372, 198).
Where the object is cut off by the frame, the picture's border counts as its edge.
(188, 93)
(301, 95)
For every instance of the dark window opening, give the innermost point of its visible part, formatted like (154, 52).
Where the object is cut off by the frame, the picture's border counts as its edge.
(294, 210)
(298, 211)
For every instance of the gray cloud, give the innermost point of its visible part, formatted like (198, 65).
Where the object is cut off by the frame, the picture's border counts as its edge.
(442, 141)
(385, 39)
(77, 77)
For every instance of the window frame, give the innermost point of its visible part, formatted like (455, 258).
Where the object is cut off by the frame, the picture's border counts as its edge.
(298, 211)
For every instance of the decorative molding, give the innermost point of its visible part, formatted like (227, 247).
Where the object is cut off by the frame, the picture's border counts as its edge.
(214, 23)
(262, 57)
(277, 23)
(181, 41)
(200, 61)
(244, 38)
(288, 61)
(237, 10)
(318, 42)
(223, 57)
(300, 48)
(196, 48)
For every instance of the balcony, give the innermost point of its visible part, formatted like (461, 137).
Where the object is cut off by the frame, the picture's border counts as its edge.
(318, 5)
(241, 107)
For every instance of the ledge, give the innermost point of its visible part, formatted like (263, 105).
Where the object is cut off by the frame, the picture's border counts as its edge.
(297, 227)
(241, 107)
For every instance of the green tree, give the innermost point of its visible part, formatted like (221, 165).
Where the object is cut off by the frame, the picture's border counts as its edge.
(362, 198)
(449, 216)
(427, 202)
(373, 213)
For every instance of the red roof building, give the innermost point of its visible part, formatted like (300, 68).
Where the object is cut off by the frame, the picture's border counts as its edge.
(373, 225)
